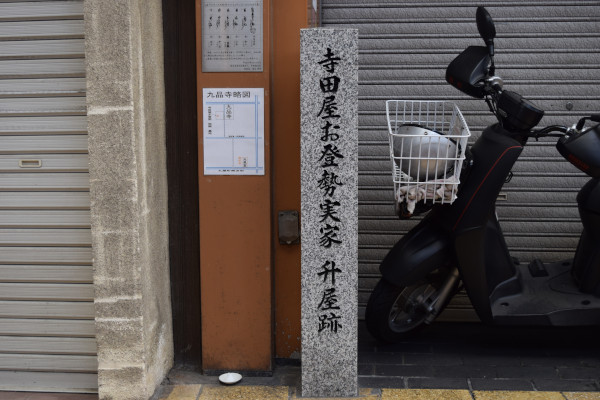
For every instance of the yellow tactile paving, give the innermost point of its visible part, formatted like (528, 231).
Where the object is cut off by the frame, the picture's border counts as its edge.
(181, 392)
(425, 394)
(244, 393)
(363, 394)
(221, 392)
(582, 395)
(516, 395)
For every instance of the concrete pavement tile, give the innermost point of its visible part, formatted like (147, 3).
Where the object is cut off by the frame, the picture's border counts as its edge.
(210, 392)
(433, 359)
(582, 395)
(578, 373)
(501, 384)
(437, 383)
(181, 392)
(515, 395)
(382, 382)
(425, 394)
(547, 372)
(465, 371)
(566, 385)
(403, 370)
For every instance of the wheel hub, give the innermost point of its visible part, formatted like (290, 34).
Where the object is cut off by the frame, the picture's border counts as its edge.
(411, 307)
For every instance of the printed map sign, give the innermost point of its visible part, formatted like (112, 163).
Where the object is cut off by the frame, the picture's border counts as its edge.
(234, 131)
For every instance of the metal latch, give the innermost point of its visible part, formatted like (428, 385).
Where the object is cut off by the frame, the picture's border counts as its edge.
(289, 227)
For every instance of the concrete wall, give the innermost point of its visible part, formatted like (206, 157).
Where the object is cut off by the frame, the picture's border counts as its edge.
(128, 190)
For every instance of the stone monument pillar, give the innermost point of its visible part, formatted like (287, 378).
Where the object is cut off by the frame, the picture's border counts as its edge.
(329, 213)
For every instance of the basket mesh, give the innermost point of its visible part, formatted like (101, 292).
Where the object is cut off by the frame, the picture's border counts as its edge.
(428, 140)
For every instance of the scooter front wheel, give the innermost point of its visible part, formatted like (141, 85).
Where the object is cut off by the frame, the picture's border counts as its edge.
(394, 312)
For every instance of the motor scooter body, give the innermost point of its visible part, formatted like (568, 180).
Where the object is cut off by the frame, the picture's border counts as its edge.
(464, 241)
(467, 235)
(438, 239)
(565, 293)
(586, 265)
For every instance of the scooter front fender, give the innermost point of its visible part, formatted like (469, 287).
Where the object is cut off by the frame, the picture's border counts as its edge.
(422, 250)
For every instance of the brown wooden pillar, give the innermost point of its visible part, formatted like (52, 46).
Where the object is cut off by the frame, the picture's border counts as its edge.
(288, 18)
(235, 239)
(250, 284)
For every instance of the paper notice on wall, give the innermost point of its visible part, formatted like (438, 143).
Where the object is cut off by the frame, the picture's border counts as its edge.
(234, 131)
(232, 35)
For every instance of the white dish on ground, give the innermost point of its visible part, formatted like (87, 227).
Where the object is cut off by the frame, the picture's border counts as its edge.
(230, 378)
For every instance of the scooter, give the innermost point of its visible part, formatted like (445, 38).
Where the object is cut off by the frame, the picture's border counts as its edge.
(462, 245)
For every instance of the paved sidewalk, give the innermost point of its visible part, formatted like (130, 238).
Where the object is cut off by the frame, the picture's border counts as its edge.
(474, 356)
(220, 392)
(446, 361)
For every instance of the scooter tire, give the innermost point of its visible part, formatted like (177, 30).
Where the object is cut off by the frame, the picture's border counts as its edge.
(381, 307)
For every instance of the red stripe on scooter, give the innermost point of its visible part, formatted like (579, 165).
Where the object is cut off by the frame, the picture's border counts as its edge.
(484, 179)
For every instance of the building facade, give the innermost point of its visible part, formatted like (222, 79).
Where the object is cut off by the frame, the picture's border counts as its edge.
(119, 258)
(85, 268)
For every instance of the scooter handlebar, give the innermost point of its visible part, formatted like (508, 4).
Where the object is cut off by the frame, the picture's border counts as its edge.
(549, 131)
(581, 123)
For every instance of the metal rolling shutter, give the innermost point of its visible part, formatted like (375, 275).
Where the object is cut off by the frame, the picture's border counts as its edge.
(546, 50)
(47, 334)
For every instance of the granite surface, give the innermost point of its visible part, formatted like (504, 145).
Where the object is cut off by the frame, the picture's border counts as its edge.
(329, 212)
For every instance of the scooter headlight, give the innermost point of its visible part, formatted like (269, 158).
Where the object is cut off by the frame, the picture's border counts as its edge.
(583, 150)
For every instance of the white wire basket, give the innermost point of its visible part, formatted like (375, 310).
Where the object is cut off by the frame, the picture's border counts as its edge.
(428, 140)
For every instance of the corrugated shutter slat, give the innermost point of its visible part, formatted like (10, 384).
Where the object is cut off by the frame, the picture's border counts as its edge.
(47, 329)
(546, 50)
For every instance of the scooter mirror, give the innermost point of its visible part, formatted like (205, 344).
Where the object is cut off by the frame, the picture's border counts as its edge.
(486, 27)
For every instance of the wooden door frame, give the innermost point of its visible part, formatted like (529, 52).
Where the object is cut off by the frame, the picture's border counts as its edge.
(179, 27)
(179, 23)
